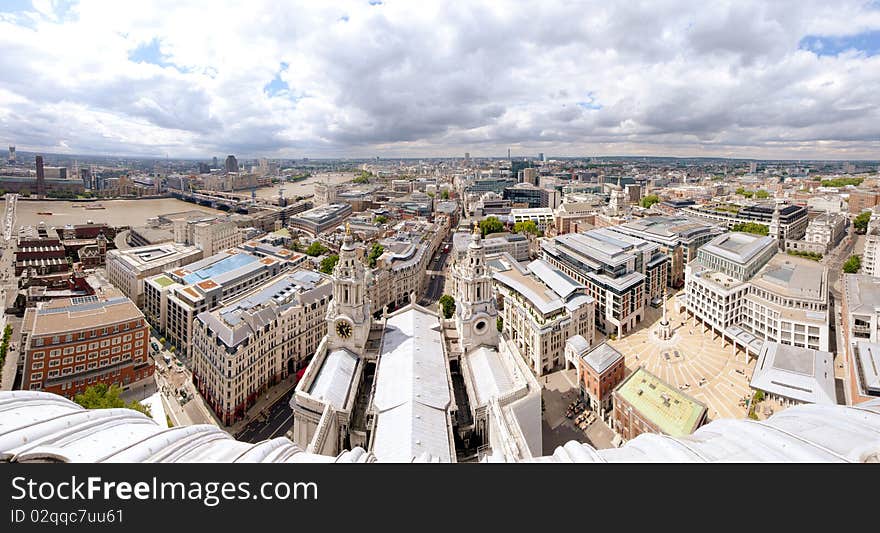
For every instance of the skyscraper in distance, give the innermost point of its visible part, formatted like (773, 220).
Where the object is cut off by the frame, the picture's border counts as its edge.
(41, 180)
(231, 164)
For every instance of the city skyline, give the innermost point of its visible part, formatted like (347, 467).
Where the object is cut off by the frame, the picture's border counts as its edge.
(367, 78)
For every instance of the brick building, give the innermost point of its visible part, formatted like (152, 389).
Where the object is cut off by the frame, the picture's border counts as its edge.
(600, 370)
(70, 344)
(644, 403)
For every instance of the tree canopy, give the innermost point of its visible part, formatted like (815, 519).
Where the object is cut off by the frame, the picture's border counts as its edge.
(753, 228)
(316, 248)
(527, 226)
(649, 200)
(100, 396)
(852, 265)
(448, 304)
(860, 223)
(762, 194)
(376, 251)
(491, 225)
(842, 182)
(328, 263)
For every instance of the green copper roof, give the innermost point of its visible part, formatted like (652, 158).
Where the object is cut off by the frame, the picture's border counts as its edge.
(673, 412)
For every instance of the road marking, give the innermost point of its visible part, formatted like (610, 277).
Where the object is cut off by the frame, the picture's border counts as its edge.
(272, 436)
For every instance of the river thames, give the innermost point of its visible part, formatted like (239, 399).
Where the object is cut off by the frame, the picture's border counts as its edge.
(136, 212)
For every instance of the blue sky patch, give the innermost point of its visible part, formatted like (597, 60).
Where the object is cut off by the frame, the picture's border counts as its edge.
(149, 53)
(866, 42)
(590, 103)
(277, 86)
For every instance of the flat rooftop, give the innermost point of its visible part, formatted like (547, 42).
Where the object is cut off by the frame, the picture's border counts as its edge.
(794, 276)
(84, 312)
(738, 247)
(223, 266)
(862, 293)
(800, 374)
(673, 412)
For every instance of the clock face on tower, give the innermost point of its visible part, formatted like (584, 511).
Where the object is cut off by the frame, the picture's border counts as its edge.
(343, 329)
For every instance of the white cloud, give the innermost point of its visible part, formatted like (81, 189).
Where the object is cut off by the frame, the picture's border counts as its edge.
(439, 78)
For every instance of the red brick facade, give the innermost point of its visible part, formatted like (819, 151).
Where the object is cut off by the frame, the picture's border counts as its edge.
(67, 364)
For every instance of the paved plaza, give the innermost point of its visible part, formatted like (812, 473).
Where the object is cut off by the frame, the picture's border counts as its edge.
(692, 361)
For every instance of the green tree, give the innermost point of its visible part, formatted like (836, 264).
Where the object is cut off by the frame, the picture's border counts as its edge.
(448, 304)
(380, 219)
(329, 263)
(649, 200)
(4, 346)
(490, 225)
(852, 265)
(363, 178)
(376, 251)
(527, 226)
(860, 223)
(499, 323)
(752, 227)
(762, 194)
(100, 396)
(444, 195)
(316, 248)
(842, 182)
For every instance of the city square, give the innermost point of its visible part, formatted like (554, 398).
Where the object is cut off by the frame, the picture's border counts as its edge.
(693, 361)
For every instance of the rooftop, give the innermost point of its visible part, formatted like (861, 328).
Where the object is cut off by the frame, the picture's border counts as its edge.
(87, 312)
(601, 357)
(673, 412)
(795, 277)
(800, 374)
(738, 247)
(413, 393)
(334, 379)
(862, 293)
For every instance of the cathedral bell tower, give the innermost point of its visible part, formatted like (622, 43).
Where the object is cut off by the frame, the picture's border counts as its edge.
(475, 308)
(349, 316)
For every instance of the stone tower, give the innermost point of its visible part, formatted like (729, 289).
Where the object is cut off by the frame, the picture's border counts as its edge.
(475, 308)
(349, 316)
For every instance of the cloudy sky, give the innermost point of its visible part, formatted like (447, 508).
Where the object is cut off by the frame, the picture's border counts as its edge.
(778, 79)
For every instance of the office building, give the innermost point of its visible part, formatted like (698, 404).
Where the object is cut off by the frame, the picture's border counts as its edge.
(716, 283)
(127, 269)
(788, 303)
(231, 164)
(542, 308)
(860, 310)
(623, 274)
(541, 216)
(320, 219)
(871, 255)
(70, 344)
(257, 339)
(784, 222)
(515, 244)
(861, 199)
(402, 269)
(173, 299)
(678, 237)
